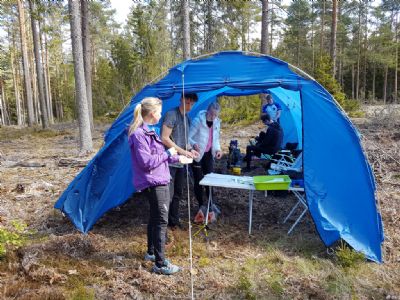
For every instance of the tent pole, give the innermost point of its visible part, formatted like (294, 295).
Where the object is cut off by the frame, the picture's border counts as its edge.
(187, 187)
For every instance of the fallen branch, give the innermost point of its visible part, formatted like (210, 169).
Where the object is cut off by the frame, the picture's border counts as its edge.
(69, 162)
(28, 164)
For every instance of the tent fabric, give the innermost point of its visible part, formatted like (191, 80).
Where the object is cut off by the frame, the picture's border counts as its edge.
(339, 183)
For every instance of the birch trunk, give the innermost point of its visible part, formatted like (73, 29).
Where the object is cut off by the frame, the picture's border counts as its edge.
(87, 57)
(85, 141)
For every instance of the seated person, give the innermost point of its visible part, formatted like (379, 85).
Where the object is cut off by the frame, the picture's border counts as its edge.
(269, 140)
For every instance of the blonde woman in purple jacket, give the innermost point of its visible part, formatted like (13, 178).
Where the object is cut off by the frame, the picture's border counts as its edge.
(151, 176)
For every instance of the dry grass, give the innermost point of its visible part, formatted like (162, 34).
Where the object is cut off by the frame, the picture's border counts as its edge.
(59, 263)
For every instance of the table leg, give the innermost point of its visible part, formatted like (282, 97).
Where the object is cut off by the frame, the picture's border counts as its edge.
(291, 212)
(250, 209)
(302, 201)
(297, 221)
(209, 203)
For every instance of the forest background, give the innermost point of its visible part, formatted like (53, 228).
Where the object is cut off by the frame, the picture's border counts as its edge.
(70, 66)
(350, 47)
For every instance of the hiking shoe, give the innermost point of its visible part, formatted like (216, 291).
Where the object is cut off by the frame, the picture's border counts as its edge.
(149, 257)
(152, 258)
(166, 270)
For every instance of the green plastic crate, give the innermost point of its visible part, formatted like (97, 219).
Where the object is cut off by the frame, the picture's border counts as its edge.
(272, 183)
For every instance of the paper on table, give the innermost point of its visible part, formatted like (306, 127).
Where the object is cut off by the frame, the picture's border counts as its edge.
(185, 160)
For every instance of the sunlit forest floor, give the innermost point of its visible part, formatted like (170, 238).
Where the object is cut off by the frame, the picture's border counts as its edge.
(51, 260)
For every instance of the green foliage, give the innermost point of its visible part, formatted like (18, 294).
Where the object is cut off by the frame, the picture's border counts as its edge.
(109, 92)
(323, 74)
(347, 257)
(240, 110)
(204, 261)
(12, 238)
(244, 285)
(275, 283)
(82, 293)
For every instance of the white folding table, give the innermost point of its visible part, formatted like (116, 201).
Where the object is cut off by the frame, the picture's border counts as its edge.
(246, 183)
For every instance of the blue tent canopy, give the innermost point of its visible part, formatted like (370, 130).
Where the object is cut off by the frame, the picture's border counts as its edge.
(339, 183)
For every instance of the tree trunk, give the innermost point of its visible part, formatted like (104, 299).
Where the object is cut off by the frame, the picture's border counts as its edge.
(352, 82)
(373, 82)
(39, 68)
(87, 51)
(365, 47)
(18, 109)
(85, 141)
(186, 29)
(4, 109)
(385, 76)
(210, 27)
(264, 27)
(20, 89)
(396, 60)
(298, 48)
(358, 55)
(312, 39)
(25, 62)
(49, 80)
(45, 75)
(321, 41)
(33, 80)
(172, 31)
(333, 36)
(57, 92)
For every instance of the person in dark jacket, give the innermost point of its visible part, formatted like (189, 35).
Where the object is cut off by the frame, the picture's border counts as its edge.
(151, 177)
(269, 141)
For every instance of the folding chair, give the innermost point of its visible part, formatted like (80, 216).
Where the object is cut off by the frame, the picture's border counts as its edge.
(286, 163)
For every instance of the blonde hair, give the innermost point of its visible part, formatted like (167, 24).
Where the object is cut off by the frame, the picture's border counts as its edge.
(144, 108)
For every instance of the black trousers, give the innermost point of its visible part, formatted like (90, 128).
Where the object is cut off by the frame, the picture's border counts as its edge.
(201, 168)
(176, 194)
(250, 151)
(159, 199)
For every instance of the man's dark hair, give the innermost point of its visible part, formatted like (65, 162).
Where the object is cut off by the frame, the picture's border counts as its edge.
(268, 97)
(266, 118)
(191, 96)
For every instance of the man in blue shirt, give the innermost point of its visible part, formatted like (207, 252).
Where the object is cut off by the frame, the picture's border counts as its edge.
(268, 106)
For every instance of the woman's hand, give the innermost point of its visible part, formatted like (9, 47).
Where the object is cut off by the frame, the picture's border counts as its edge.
(190, 154)
(172, 151)
(218, 154)
(195, 154)
(187, 154)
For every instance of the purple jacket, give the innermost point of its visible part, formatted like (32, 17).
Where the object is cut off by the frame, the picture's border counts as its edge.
(149, 159)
